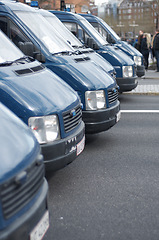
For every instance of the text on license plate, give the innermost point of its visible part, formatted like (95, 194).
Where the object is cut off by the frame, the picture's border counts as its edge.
(40, 229)
(80, 146)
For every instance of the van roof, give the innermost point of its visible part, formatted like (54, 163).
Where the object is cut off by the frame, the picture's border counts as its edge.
(13, 5)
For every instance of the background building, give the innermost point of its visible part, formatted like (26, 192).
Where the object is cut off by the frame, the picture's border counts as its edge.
(78, 6)
(127, 17)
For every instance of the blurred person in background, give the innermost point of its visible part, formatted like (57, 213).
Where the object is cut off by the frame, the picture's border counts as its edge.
(155, 47)
(145, 48)
(140, 40)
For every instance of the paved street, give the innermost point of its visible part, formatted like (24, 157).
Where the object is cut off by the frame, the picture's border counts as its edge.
(111, 191)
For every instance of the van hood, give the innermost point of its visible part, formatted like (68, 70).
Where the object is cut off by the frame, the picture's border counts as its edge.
(35, 94)
(99, 60)
(125, 49)
(83, 74)
(18, 146)
(120, 55)
(131, 48)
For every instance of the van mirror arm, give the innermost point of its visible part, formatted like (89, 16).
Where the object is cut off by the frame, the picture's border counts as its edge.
(39, 56)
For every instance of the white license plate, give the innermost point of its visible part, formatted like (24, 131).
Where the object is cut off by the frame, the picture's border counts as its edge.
(80, 146)
(40, 229)
(118, 116)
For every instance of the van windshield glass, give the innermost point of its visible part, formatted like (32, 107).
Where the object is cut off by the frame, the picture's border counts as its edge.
(66, 34)
(44, 31)
(110, 30)
(8, 52)
(94, 32)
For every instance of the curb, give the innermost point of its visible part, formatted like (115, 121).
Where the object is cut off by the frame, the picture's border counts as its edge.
(145, 89)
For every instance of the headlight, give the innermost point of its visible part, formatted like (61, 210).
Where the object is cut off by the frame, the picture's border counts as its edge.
(95, 100)
(127, 71)
(45, 128)
(137, 60)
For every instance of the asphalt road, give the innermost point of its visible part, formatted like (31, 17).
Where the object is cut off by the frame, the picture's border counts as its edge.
(111, 191)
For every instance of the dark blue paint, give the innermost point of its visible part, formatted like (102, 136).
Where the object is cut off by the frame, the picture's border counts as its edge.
(124, 46)
(19, 151)
(112, 54)
(81, 76)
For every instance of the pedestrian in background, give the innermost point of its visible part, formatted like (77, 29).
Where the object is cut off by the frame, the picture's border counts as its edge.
(155, 46)
(145, 47)
(140, 40)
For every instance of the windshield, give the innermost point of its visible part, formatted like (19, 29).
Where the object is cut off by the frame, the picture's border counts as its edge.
(94, 32)
(110, 30)
(44, 31)
(8, 52)
(61, 29)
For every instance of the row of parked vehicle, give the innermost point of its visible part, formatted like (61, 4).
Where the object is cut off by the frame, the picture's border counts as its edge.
(61, 85)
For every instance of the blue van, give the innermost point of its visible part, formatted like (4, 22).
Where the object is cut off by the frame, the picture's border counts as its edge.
(108, 33)
(49, 106)
(98, 91)
(75, 43)
(124, 66)
(23, 187)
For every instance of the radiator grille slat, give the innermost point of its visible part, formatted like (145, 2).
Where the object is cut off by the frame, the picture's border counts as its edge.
(72, 118)
(14, 197)
(112, 95)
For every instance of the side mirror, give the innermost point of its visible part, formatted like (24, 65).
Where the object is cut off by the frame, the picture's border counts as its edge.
(28, 49)
(110, 39)
(95, 46)
(92, 44)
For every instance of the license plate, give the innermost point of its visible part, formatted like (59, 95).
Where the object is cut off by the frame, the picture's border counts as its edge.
(80, 146)
(40, 229)
(118, 116)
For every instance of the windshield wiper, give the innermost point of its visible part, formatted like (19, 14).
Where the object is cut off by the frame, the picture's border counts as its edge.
(9, 63)
(26, 58)
(64, 53)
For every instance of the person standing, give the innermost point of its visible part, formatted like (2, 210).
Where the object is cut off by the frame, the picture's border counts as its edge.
(145, 49)
(140, 40)
(156, 47)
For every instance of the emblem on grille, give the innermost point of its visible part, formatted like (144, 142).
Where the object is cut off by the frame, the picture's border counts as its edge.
(73, 113)
(21, 178)
(114, 90)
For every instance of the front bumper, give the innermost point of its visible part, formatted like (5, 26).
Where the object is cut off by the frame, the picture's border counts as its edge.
(126, 84)
(101, 120)
(22, 226)
(140, 71)
(62, 152)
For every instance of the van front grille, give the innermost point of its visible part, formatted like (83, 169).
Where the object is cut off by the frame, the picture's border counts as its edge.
(112, 95)
(15, 196)
(72, 118)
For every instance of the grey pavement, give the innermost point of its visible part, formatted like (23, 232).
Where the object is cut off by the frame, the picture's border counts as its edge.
(148, 84)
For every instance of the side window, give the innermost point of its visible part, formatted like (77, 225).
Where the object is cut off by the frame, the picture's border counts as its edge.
(3, 24)
(16, 35)
(20, 39)
(86, 38)
(72, 27)
(80, 33)
(103, 32)
(95, 25)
